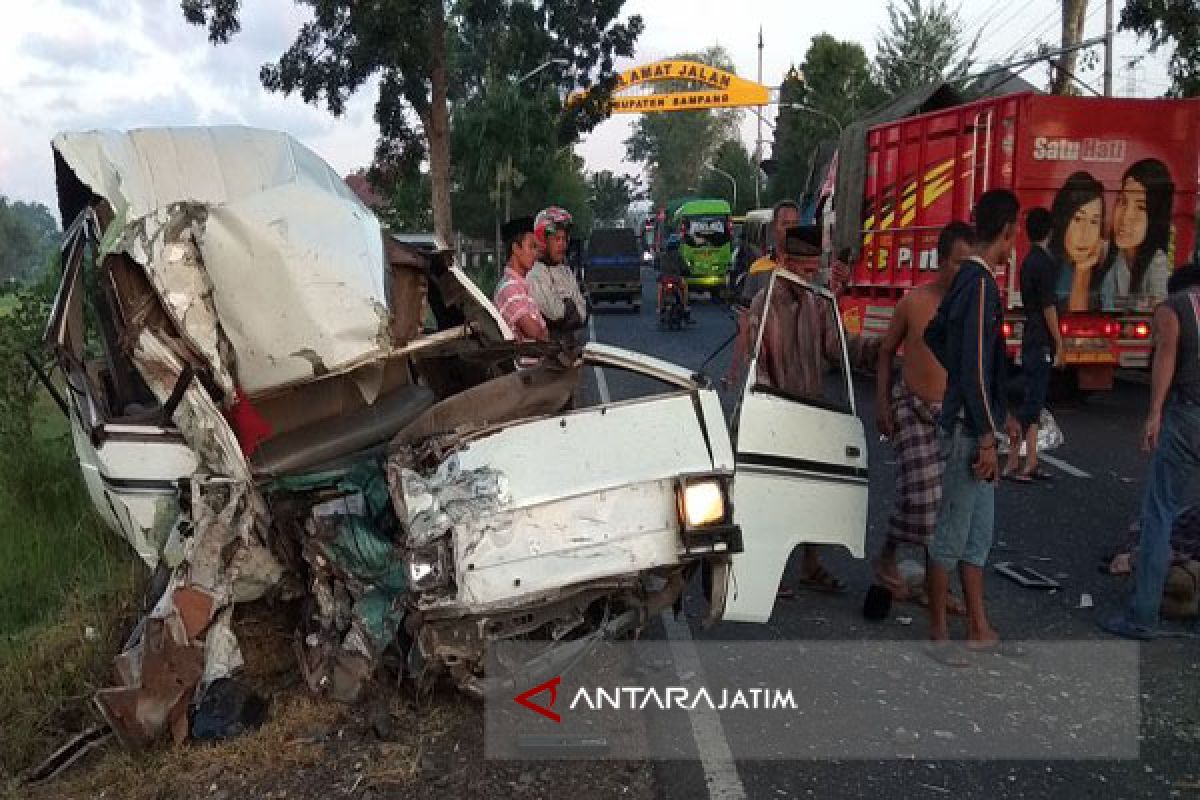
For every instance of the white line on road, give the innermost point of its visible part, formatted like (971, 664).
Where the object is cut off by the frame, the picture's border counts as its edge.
(601, 381)
(720, 771)
(1064, 466)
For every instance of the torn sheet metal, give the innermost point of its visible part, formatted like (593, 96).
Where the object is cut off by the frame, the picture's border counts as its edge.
(187, 641)
(198, 417)
(169, 240)
(473, 503)
(281, 224)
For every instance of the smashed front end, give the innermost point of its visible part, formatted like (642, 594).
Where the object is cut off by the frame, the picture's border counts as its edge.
(270, 396)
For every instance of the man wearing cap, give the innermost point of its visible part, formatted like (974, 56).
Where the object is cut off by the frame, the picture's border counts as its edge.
(512, 297)
(799, 345)
(551, 282)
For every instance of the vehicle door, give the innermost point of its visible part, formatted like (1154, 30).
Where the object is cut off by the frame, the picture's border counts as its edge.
(801, 456)
(130, 452)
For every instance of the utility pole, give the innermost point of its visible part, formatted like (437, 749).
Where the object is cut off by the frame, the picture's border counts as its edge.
(1108, 47)
(1073, 14)
(759, 141)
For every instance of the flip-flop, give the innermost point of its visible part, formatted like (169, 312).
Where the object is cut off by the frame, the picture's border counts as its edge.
(1038, 474)
(1122, 626)
(1000, 647)
(948, 654)
(822, 581)
(1017, 477)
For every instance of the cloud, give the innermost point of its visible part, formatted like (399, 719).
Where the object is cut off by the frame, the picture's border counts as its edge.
(80, 52)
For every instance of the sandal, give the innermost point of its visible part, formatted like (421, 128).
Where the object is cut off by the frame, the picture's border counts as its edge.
(999, 647)
(902, 593)
(822, 580)
(948, 654)
(1017, 477)
(1038, 474)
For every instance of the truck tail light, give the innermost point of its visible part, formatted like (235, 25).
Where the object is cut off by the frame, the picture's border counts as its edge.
(1138, 330)
(1006, 330)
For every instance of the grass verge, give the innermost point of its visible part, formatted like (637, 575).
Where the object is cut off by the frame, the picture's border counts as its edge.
(67, 596)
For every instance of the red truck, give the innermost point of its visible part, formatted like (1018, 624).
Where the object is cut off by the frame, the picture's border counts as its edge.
(1118, 175)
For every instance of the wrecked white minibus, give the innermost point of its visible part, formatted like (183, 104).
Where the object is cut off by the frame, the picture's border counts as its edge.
(267, 393)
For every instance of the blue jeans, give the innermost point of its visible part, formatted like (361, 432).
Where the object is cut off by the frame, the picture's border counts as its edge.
(1171, 468)
(967, 514)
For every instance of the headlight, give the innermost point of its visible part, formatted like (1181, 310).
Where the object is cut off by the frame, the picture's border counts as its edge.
(427, 569)
(705, 516)
(703, 503)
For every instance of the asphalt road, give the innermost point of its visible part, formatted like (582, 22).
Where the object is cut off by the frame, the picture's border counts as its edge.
(1060, 528)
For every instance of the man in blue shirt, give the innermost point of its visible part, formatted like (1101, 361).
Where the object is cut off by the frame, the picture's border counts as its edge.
(965, 335)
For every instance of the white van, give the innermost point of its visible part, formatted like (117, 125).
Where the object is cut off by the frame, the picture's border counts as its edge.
(267, 393)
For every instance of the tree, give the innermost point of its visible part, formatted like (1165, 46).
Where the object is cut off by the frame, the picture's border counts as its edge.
(922, 43)
(734, 160)
(676, 145)
(834, 79)
(610, 194)
(414, 48)
(29, 238)
(1170, 22)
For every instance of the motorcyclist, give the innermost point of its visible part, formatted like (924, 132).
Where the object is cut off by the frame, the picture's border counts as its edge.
(672, 265)
(552, 284)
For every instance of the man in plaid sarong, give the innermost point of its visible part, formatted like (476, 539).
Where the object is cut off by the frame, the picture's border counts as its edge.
(907, 412)
(918, 467)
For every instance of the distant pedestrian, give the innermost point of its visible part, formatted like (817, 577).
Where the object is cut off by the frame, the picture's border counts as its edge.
(906, 412)
(1172, 434)
(1041, 344)
(965, 336)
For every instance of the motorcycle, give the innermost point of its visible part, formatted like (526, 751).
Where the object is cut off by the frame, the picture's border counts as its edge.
(673, 314)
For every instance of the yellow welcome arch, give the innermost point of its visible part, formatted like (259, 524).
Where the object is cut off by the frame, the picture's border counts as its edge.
(722, 89)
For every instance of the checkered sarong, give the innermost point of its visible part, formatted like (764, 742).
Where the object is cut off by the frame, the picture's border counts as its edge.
(918, 468)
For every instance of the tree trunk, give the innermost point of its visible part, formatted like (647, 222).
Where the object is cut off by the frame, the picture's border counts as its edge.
(1072, 34)
(437, 128)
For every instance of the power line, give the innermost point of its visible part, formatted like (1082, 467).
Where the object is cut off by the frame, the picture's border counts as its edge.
(1036, 32)
(1012, 18)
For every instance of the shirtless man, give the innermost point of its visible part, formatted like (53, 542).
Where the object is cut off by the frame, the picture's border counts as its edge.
(907, 412)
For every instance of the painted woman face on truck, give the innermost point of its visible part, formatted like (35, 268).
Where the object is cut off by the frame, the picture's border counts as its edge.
(1082, 238)
(1129, 215)
(1078, 214)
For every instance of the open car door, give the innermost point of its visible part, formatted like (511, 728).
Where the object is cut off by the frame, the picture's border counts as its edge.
(801, 452)
(130, 452)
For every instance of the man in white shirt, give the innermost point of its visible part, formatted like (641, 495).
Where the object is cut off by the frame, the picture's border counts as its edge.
(551, 282)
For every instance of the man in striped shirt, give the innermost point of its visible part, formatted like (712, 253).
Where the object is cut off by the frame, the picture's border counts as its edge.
(512, 298)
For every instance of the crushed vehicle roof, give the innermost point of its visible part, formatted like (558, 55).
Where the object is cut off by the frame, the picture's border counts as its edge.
(278, 222)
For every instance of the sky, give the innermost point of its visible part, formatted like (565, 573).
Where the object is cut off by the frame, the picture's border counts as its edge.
(85, 64)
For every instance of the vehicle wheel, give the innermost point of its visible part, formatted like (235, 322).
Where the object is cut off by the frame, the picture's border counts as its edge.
(637, 306)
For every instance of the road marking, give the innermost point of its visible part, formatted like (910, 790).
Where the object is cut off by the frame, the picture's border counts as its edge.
(601, 381)
(720, 770)
(1064, 466)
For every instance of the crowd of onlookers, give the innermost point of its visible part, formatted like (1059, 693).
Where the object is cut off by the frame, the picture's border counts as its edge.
(949, 409)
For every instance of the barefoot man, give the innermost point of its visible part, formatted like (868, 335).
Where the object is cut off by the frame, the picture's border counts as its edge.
(907, 412)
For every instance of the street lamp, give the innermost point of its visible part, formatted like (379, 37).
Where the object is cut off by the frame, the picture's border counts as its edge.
(559, 62)
(816, 111)
(732, 183)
